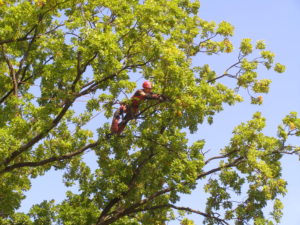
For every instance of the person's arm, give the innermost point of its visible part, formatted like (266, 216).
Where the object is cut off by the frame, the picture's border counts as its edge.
(151, 96)
(142, 95)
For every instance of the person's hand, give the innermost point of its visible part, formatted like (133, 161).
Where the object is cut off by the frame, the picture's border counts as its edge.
(163, 98)
(123, 108)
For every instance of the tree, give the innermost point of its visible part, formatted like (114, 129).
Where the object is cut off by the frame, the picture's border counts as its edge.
(55, 51)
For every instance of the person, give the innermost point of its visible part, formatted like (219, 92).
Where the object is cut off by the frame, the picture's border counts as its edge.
(131, 109)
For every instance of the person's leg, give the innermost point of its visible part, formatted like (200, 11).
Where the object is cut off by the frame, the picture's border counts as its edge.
(115, 121)
(130, 112)
(123, 123)
(121, 126)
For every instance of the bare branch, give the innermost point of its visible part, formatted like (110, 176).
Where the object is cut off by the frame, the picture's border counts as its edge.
(52, 30)
(220, 157)
(219, 77)
(232, 164)
(187, 209)
(208, 39)
(225, 74)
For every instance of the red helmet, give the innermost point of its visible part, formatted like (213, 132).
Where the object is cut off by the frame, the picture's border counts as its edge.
(147, 84)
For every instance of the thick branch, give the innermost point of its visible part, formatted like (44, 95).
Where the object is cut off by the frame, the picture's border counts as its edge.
(54, 123)
(42, 134)
(51, 159)
(136, 173)
(24, 38)
(187, 209)
(39, 136)
(135, 207)
(6, 95)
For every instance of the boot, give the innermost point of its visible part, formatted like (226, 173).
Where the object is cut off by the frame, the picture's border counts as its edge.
(121, 128)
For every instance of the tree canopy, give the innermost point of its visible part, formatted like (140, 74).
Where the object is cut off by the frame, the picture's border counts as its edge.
(54, 52)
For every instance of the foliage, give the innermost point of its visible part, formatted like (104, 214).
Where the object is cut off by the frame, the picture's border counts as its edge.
(54, 52)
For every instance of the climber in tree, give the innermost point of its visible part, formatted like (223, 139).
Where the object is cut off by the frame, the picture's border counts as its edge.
(131, 109)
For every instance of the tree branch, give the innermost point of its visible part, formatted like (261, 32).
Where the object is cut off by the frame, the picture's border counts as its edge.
(136, 173)
(27, 52)
(24, 38)
(93, 86)
(42, 134)
(234, 163)
(220, 157)
(134, 207)
(89, 62)
(14, 74)
(79, 72)
(3, 98)
(222, 221)
(187, 209)
(208, 39)
(11, 72)
(225, 74)
(39, 136)
(49, 160)
(6, 95)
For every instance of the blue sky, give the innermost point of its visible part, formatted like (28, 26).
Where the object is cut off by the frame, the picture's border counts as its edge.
(276, 22)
